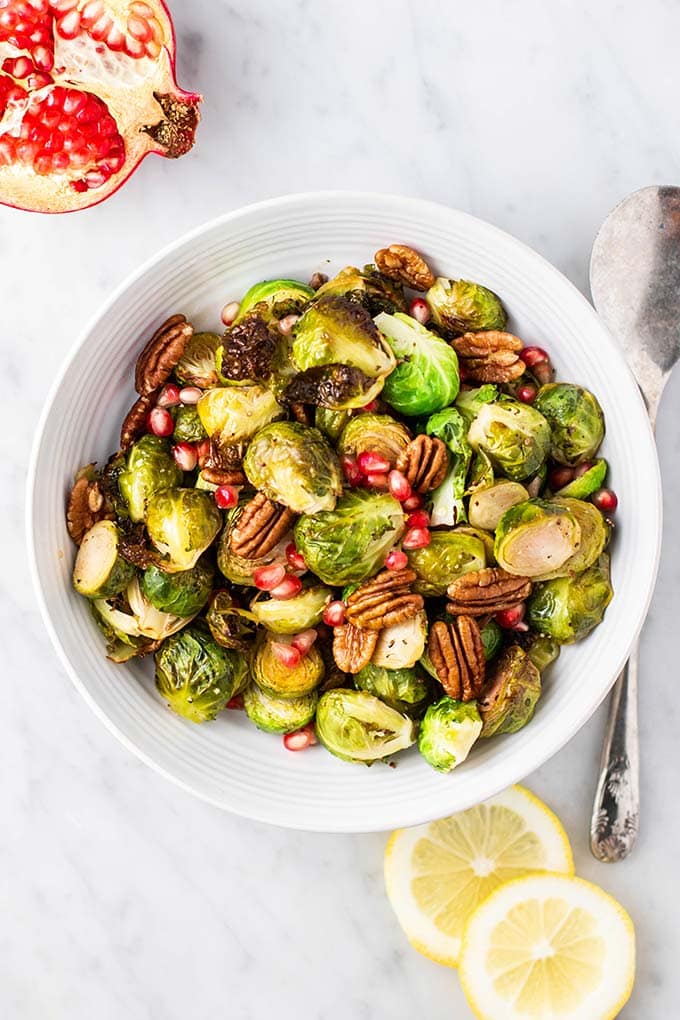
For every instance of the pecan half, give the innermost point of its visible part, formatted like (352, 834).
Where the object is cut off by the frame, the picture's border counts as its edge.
(260, 527)
(457, 654)
(353, 647)
(86, 505)
(223, 476)
(486, 591)
(318, 280)
(384, 600)
(425, 462)
(402, 263)
(134, 424)
(162, 353)
(491, 356)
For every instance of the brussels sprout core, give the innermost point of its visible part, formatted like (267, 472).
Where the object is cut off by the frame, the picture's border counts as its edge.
(447, 733)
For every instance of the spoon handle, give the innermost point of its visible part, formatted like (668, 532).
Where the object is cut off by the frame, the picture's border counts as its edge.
(616, 811)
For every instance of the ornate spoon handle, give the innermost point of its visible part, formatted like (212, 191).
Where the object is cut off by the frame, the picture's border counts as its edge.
(616, 811)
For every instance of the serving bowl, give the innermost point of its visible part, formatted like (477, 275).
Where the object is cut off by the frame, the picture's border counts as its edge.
(229, 763)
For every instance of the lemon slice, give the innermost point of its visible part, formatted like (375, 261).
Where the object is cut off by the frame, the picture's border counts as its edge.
(548, 946)
(438, 874)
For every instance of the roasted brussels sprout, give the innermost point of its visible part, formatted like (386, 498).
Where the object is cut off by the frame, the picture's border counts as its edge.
(278, 715)
(406, 690)
(576, 422)
(149, 468)
(133, 616)
(487, 506)
(100, 571)
(481, 474)
(182, 523)
(426, 377)
(350, 543)
(358, 727)
(537, 539)
(183, 593)
(272, 300)
(449, 554)
(333, 387)
(120, 646)
(233, 414)
(188, 426)
(285, 681)
(513, 688)
(331, 423)
(195, 675)
(587, 483)
(567, 608)
(469, 402)
(448, 507)
(447, 733)
(459, 306)
(295, 466)
(198, 366)
(367, 287)
(375, 433)
(291, 616)
(237, 569)
(515, 437)
(401, 645)
(231, 626)
(541, 649)
(248, 353)
(492, 639)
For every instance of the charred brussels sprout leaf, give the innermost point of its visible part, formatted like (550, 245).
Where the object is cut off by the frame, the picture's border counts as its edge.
(350, 543)
(292, 616)
(233, 414)
(195, 675)
(272, 300)
(295, 466)
(149, 468)
(568, 608)
(513, 688)
(278, 715)
(198, 366)
(459, 306)
(284, 681)
(449, 554)
(335, 387)
(182, 523)
(132, 616)
(406, 690)
(448, 507)
(247, 352)
(447, 733)
(231, 626)
(367, 287)
(188, 426)
(576, 422)
(514, 436)
(100, 571)
(374, 433)
(426, 377)
(358, 727)
(183, 593)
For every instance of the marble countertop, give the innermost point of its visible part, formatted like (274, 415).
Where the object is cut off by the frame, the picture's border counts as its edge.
(120, 895)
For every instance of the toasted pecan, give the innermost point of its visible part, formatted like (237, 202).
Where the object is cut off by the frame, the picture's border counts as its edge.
(425, 462)
(86, 506)
(260, 527)
(491, 356)
(456, 651)
(353, 647)
(134, 423)
(162, 353)
(385, 600)
(486, 591)
(401, 263)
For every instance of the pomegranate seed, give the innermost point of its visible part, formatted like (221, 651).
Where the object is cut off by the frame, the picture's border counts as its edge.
(559, 477)
(533, 356)
(581, 470)
(420, 310)
(510, 619)
(267, 578)
(190, 395)
(169, 396)
(371, 406)
(141, 8)
(416, 538)
(304, 641)
(139, 28)
(286, 324)
(236, 702)
(334, 614)
(371, 463)
(229, 312)
(153, 49)
(159, 422)
(414, 502)
(419, 519)
(350, 469)
(295, 559)
(185, 456)
(226, 496)
(527, 393)
(288, 589)
(377, 481)
(287, 655)
(300, 740)
(134, 48)
(396, 560)
(605, 500)
(399, 485)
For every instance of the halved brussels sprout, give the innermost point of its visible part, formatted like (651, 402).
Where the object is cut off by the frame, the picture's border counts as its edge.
(367, 287)
(447, 733)
(274, 299)
(249, 352)
(149, 468)
(292, 616)
(120, 646)
(284, 681)
(188, 426)
(576, 421)
(481, 474)
(595, 531)
(513, 688)
(334, 331)
(294, 465)
(197, 366)
(460, 306)
(469, 402)
(278, 715)
(449, 554)
(231, 626)
(541, 649)
(515, 437)
(568, 608)
(487, 506)
(448, 507)
(537, 539)
(406, 690)
(182, 523)
(334, 387)
(100, 571)
(233, 414)
(358, 727)
(492, 639)
(195, 675)
(426, 377)
(331, 423)
(135, 617)
(237, 569)
(374, 433)
(587, 483)
(183, 593)
(401, 645)
(350, 543)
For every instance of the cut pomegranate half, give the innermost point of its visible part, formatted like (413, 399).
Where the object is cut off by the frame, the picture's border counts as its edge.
(87, 90)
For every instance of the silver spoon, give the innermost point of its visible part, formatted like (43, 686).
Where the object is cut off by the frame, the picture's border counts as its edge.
(635, 284)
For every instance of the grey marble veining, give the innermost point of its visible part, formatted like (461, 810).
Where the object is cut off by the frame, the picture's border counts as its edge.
(119, 894)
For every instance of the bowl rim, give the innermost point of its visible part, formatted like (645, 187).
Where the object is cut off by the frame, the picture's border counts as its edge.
(272, 205)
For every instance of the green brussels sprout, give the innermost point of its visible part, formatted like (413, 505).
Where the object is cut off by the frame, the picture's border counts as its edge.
(100, 571)
(149, 468)
(231, 626)
(595, 532)
(459, 306)
(133, 616)
(188, 426)
(182, 524)
(292, 616)
(515, 437)
(568, 608)
(492, 639)
(294, 465)
(278, 715)
(469, 402)
(359, 727)
(537, 539)
(183, 593)
(447, 733)
(587, 483)
(406, 690)
(542, 650)
(285, 681)
(367, 287)
(233, 414)
(401, 645)
(513, 688)
(238, 569)
(448, 507)
(426, 378)
(480, 475)
(449, 554)
(198, 365)
(374, 433)
(195, 675)
(331, 423)
(487, 506)
(576, 422)
(349, 544)
(272, 300)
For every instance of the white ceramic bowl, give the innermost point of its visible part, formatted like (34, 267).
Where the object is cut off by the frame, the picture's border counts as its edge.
(229, 763)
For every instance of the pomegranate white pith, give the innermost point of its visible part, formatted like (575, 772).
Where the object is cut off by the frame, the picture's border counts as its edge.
(87, 90)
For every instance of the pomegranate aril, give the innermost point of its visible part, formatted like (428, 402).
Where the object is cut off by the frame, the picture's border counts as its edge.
(141, 8)
(229, 312)
(300, 740)
(419, 310)
(153, 49)
(304, 641)
(372, 463)
(236, 703)
(287, 655)
(527, 393)
(559, 477)
(371, 406)
(334, 614)
(42, 58)
(510, 619)
(20, 67)
(396, 560)
(134, 48)
(139, 28)
(203, 452)
(350, 469)
(91, 12)
(190, 395)
(605, 500)
(399, 485)
(377, 481)
(533, 356)
(185, 456)
(413, 503)
(169, 396)
(226, 496)
(290, 587)
(581, 470)
(159, 422)
(418, 519)
(267, 578)
(73, 102)
(416, 538)
(295, 559)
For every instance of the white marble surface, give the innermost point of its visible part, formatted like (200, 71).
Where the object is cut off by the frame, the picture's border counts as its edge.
(120, 896)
